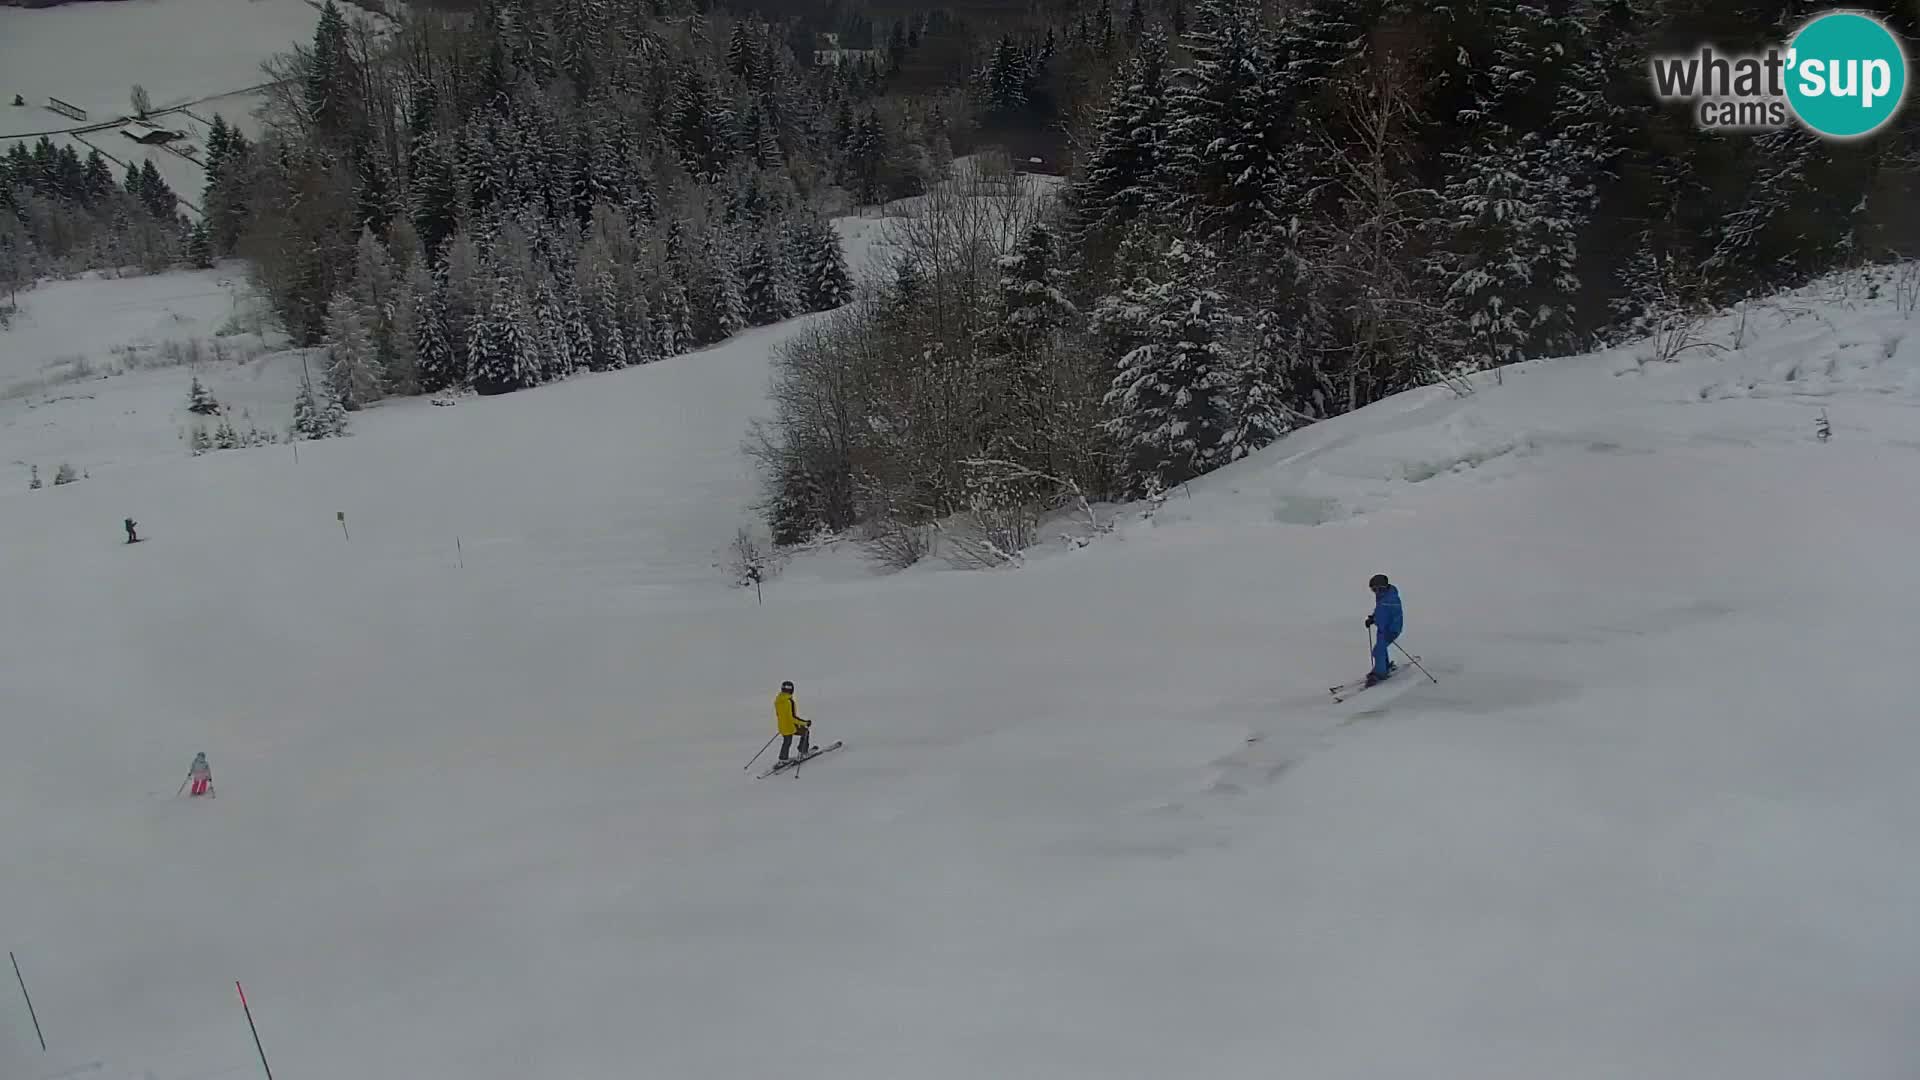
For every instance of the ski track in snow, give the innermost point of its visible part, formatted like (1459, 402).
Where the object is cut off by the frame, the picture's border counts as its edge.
(1095, 817)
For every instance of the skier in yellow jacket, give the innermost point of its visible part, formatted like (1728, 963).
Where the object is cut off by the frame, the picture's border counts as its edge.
(788, 722)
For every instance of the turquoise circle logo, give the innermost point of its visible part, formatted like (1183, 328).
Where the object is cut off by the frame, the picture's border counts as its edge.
(1846, 75)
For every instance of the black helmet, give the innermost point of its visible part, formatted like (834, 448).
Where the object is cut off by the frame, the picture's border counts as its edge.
(1377, 582)
(787, 687)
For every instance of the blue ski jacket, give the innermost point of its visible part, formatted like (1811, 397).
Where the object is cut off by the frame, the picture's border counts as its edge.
(1386, 612)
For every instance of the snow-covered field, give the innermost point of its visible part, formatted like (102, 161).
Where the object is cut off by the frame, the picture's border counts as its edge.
(1096, 817)
(92, 54)
(204, 54)
(95, 372)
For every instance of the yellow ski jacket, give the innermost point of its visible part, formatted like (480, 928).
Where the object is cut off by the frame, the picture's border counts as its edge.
(783, 716)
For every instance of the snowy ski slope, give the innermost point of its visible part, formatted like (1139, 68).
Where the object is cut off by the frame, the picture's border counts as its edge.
(1096, 817)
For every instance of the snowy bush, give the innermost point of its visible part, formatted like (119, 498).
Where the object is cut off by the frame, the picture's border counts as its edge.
(750, 563)
(1906, 287)
(1670, 304)
(33, 482)
(65, 474)
(999, 524)
(1153, 497)
(894, 543)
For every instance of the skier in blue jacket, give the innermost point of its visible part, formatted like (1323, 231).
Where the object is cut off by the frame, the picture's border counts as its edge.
(1388, 619)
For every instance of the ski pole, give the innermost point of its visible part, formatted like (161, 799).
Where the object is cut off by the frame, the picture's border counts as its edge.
(1416, 663)
(763, 750)
(23, 993)
(248, 1009)
(183, 785)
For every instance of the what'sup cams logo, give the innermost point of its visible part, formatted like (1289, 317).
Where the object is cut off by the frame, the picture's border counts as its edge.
(1844, 75)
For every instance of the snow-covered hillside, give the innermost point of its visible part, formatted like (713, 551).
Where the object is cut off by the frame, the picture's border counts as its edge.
(195, 58)
(481, 809)
(95, 371)
(183, 51)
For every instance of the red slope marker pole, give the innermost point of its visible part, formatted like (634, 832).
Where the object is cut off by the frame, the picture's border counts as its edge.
(29, 997)
(255, 1030)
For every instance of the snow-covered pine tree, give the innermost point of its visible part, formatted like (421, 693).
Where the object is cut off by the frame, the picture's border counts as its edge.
(1521, 186)
(330, 76)
(764, 291)
(376, 193)
(741, 50)
(439, 366)
(318, 413)
(550, 332)
(1004, 81)
(434, 191)
(352, 366)
(200, 400)
(670, 317)
(219, 135)
(1749, 241)
(577, 329)
(159, 199)
(1170, 400)
(306, 413)
(602, 309)
(713, 291)
(224, 437)
(200, 246)
(1273, 347)
(1224, 147)
(376, 288)
(577, 30)
(333, 414)
(404, 331)
(481, 168)
(826, 284)
(793, 508)
(229, 197)
(464, 297)
(1030, 406)
(702, 127)
(1129, 153)
(507, 356)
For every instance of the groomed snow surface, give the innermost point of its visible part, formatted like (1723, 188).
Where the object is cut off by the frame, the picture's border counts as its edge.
(1096, 817)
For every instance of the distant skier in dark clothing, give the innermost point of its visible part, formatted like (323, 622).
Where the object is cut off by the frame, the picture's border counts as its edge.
(1388, 618)
(131, 538)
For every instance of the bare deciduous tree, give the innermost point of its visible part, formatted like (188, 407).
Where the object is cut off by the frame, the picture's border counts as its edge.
(1364, 257)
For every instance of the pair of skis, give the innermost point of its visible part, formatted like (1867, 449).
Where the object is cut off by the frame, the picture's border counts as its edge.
(795, 763)
(1347, 690)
